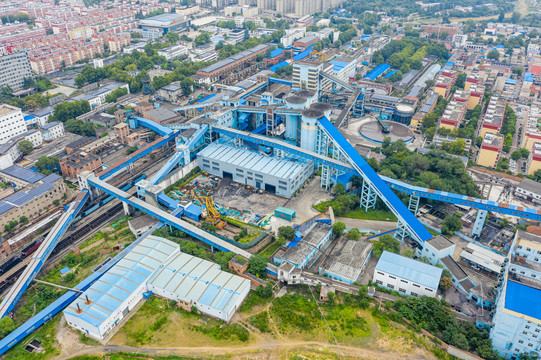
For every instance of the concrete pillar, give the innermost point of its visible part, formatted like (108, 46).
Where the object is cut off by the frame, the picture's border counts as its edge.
(127, 209)
(479, 222)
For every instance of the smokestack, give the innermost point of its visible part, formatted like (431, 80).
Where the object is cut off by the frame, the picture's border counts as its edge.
(88, 301)
(79, 310)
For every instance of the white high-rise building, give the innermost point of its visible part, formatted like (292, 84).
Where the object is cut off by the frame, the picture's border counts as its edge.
(14, 68)
(11, 122)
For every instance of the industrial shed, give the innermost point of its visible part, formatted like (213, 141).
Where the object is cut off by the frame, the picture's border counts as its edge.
(278, 176)
(191, 281)
(117, 292)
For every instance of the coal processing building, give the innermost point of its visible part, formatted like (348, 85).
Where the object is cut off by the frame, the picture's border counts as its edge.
(155, 266)
(280, 176)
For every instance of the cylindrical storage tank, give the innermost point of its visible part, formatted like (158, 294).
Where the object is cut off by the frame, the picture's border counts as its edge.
(403, 114)
(309, 95)
(323, 107)
(292, 121)
(309, 121)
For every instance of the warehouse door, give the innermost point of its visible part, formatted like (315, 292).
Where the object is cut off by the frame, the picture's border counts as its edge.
(227, 175)
(270, 188)
(258, 184)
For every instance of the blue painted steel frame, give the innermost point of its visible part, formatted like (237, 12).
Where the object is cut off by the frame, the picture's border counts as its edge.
(141, 205)
(10, 303)
(36, 321)
(477, 203)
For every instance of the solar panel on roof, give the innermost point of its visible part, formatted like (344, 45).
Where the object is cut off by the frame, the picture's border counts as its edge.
(23, 174)
(5, 207)
(49, 179)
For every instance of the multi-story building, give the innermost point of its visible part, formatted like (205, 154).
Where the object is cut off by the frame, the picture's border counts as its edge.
(165, 23)
(453, 114)
(491, 149)
(534, 159)
(52, 130)
(292, 35)
(173, 52)
(78, 161)
(235, 63)
(407, 276)
(529, 190)
(236, 36)
(440, 30)
(492, 122)
(517, 318)
(306, 41)
(38, 196)
(343, 69)
(477, 92)
(14, 68)
(306, 75)
(11, 122)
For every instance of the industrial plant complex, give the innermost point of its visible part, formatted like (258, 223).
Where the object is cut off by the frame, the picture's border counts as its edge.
(223, 170)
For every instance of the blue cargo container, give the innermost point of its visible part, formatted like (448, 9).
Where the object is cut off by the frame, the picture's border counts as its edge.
(192, 212)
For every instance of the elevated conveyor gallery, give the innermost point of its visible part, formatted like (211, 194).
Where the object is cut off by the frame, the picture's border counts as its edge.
(477, 203)
(166, 217)
(45, 249)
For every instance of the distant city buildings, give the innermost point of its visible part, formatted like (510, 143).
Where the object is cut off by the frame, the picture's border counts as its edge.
(11, 122)
(14, 68)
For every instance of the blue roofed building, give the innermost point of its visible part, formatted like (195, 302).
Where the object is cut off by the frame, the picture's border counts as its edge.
(407, 276)
(517, 318)
(191, 281)
(342, 69)
(155, 265)
(117, 292)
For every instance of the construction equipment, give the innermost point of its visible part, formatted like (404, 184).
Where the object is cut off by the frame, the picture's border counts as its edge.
(318, 53)
(212, 216)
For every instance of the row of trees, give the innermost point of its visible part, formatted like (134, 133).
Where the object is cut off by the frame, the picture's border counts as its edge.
(508, 127)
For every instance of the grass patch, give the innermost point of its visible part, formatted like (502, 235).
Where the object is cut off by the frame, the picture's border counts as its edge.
(433, 232)
(261, 322)
(370, 215)
(46, 335)
(323, 206)
(220, 331)
(242, 224)
(252, 300)
(269, 249)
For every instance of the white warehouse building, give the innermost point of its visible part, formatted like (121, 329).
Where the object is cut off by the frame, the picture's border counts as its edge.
(191, 281)
(278, 176)
(407, 276)
(155, 264)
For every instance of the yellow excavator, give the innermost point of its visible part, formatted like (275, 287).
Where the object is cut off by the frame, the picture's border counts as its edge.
(213, 216)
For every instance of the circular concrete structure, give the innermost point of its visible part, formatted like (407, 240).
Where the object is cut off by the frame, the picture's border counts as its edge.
(372, 131)
(295, 100)
(309, 120)
(323, 107)
(305, 93)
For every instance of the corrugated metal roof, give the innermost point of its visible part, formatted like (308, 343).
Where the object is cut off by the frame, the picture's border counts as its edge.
(201, 281)
(23, 174)
(409, 269)
(523, 299)
(113, 288)
(253, 161)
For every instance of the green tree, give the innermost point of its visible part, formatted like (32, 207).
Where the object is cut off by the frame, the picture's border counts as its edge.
(48, 164)
(493, 54)
(80, 127)
(338, 228)
(257, 265)
(386, 243)
(339, 189)
(451, 224)
(353, 234)
(26, 147)
(173, 37)
(7, 325)
(287, 232)
(23, 219)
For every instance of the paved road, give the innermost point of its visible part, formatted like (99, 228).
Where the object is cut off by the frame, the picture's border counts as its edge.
(368, 224)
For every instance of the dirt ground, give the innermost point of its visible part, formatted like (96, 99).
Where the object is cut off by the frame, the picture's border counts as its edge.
(237, 196)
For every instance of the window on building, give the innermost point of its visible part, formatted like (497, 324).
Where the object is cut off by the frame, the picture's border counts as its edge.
(417, 285)
(429, 290)
(380, 273)
(414, 294)
(392, 277)
(379, 282)
(402, 290)
(390, 286)
(404, 281)
(521, 341)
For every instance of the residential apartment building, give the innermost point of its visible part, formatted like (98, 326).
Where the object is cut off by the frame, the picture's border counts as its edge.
(173, 52)
(517, 318)
(491, 149)
(52, 131)
(407, 276)
(14, 68)
(534, 159)
(492, 122)
(306, 75)
(11, 122)
(454, 114)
